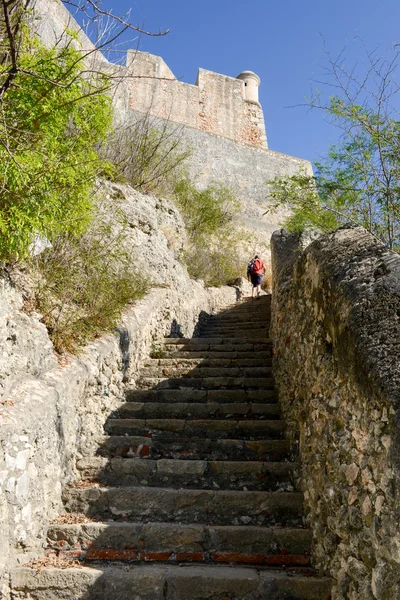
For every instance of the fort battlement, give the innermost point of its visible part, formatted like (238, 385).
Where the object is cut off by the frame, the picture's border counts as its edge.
(219, 117)
(216, 104)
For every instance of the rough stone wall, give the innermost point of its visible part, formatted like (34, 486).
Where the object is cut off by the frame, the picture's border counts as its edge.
(336, 332)
(52, 414)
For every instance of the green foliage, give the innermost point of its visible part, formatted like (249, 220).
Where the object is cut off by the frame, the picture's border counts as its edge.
(215, 248)
(206, 211)
(157, 351)
(359, 180)
(218, 259)
(148, 155)
(86, 281)
(299, 194)
(52, 120)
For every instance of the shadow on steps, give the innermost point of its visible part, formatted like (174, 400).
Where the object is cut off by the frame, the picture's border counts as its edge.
(192, 493)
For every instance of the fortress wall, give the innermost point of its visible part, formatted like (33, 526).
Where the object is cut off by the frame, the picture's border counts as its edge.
(241, 167)
(215, 104)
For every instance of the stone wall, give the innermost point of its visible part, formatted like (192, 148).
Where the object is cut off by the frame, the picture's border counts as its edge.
(241, 168)
(52, 413)
(336, 332)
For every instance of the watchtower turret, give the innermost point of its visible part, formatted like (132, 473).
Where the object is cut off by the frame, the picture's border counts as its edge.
(251, 83)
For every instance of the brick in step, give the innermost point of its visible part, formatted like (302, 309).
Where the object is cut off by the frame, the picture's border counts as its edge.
(194, 449)
(196, 543)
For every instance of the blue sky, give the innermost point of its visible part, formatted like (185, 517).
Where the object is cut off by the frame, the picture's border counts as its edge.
(281, 41)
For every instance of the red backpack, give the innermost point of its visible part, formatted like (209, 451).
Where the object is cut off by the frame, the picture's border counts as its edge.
(257, 265)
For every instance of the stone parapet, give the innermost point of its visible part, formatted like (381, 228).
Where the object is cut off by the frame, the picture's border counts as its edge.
(336, 333)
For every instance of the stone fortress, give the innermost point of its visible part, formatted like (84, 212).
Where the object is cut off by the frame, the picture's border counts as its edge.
(219, 118)
(334, 344)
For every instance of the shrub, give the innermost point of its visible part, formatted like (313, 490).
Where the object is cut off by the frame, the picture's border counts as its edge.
(216, 244)
(85, 282)
(148, 154)
(52, 119)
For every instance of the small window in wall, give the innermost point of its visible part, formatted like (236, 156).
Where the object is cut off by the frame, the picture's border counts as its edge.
(245, 85)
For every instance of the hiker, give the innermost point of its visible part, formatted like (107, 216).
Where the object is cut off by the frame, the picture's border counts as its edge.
(255, 271)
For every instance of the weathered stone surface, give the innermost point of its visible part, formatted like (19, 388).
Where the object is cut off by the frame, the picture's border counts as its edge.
(165, 583)
(52, 414)
(336, 332)
(185, 505)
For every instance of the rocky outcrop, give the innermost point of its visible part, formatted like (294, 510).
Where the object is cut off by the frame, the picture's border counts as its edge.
(336, 332)
(52, 414)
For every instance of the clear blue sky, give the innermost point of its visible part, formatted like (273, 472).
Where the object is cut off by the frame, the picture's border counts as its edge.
(280, 41)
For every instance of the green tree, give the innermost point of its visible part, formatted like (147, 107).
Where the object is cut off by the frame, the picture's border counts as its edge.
(52, 118)
(359, 180)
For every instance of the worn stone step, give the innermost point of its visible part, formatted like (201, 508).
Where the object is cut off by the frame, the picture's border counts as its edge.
(202, 371)
(240, 322)
(206, 383)
(234, 429)
(236, 325)
(181, 543)
(235, 334)
(203, 341)
(249, 321)
(200, 449)
(194, 410)
(174, 361)
(193, 474)
(193, 354)
(166, 582)
(190, 395)
(217, 507)
(246, 313)
(230, 348)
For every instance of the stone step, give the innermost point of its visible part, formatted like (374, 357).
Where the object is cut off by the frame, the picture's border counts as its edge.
(234, 334)
(196, 410)
(192, 395)
(201, 371)
(216, 507)
(166, 582)
(205, 355)
(250, 322)
(209, 362)
(229, 348)
(206, 383)
(193, 474)
(166, 429)
(244, 313)
(200, 449)
(235, 325)
(181, 543)
(241, 341)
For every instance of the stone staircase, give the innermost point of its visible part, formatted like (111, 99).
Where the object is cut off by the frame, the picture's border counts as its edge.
(192, 495)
